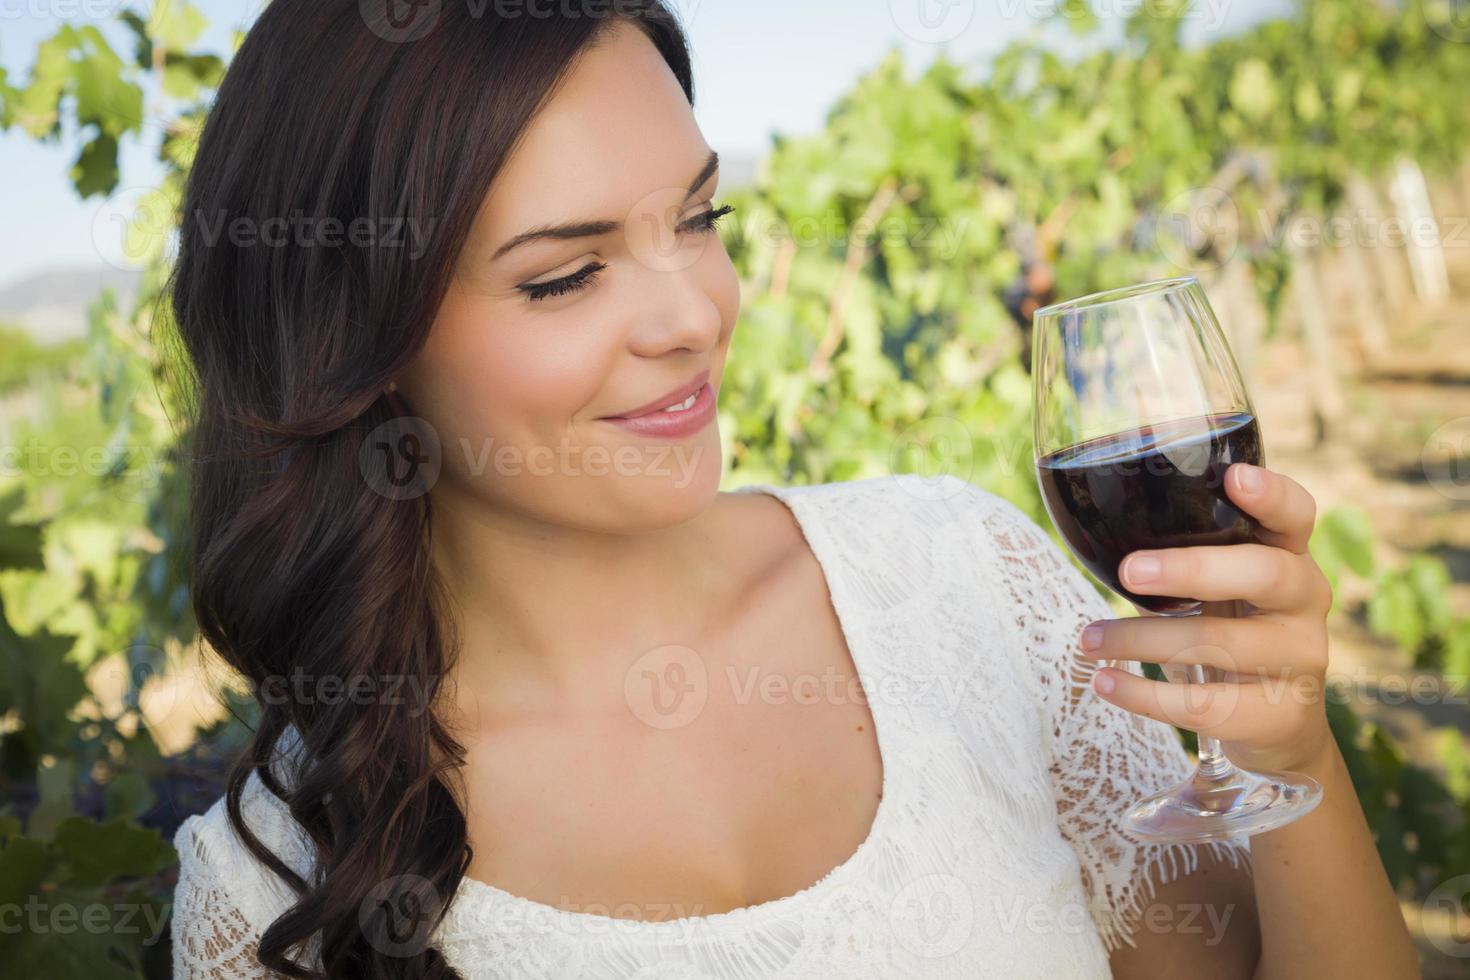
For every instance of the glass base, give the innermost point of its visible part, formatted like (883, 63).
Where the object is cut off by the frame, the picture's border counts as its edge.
(1237, 805)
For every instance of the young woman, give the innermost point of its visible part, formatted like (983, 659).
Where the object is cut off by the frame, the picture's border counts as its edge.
(537, 700)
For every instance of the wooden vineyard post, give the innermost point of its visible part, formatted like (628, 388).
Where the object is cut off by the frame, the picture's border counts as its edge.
(1322, 366)
(1363, 308)
(1388, 272)
(1233, 294)
(1420, 231)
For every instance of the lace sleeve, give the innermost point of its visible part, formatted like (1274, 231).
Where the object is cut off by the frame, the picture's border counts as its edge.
(212, 937)
(1103, 758)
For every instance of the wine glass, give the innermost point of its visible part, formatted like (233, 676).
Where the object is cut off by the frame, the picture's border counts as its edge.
(1140, 408)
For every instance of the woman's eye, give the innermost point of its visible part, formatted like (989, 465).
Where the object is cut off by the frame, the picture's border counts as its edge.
(564, 285)
(707, 221)
(585, 275)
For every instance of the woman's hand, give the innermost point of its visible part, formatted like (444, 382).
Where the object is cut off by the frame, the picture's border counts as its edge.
(1265, 701)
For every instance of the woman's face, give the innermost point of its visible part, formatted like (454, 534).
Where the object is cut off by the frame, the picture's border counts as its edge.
(518, 382)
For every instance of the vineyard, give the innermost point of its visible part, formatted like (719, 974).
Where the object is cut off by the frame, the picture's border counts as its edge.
(1313, 172)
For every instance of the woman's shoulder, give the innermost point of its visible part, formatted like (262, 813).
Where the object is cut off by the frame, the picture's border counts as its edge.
(211, 849)
(892, 540)
(900, 539)
(226, 897)
(936, 512)
(898, 495)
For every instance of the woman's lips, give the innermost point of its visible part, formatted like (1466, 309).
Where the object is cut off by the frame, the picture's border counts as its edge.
(678, 396)
(673, 425)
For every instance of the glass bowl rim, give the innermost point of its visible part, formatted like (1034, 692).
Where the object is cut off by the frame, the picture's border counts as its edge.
(1117, 294)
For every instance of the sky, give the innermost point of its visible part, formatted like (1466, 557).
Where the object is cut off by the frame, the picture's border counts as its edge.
(761, 67)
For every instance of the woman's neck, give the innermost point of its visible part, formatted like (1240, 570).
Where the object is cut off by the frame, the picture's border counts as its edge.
(548, 614)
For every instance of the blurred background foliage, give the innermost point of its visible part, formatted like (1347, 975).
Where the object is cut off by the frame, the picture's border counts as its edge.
(886, 262)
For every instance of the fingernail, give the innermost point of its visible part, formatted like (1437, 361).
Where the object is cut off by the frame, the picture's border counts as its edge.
(1103, 682)
(1250, 478)
(1092, 637)
(1143, 568)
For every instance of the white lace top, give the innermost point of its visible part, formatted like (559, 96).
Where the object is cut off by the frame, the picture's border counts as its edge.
(996, 849)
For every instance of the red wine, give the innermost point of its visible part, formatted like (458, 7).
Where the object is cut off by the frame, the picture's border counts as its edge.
(1161, 486)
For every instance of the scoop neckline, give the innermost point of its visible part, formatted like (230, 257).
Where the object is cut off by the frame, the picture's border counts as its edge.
(776, 906)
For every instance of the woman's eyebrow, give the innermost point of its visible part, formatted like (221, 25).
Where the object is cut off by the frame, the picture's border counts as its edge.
(591, 229)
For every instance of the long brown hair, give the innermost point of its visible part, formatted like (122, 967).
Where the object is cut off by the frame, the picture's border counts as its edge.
(383, 114)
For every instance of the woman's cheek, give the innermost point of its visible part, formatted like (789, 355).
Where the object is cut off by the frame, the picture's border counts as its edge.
(724, 290)
(537, 381)
(491, 380)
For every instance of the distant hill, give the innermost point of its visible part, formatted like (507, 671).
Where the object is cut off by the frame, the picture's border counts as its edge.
(51, 305)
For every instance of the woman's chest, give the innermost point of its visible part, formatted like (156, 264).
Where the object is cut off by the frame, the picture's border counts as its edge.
(728, 771)
(963, 875)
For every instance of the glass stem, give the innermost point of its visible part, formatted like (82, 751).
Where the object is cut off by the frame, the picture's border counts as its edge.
(1213, 764)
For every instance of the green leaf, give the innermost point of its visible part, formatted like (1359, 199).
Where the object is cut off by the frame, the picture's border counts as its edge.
(95, 172)
(1343, 540)
(1252, 90)
(20, 544)
(105, 95)
(184, 76)
(97, 853)
(57, 784)
(129, 795)
(1079, 15)
(1393, 613)
(24, 864)
(41, 684)
(1430, 580)
(1309, 106)
(176, 24)
(143, 52)
(1456, 663)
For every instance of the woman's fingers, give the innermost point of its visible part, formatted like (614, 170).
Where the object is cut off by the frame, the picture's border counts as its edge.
(1257, 646)
(1255, 714)
(1283, 508)
(1268, 577)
